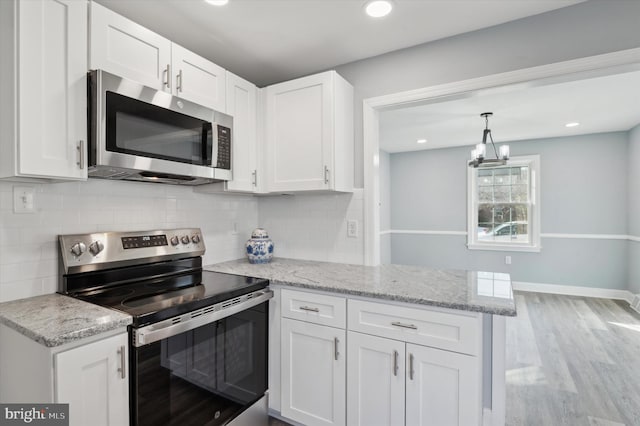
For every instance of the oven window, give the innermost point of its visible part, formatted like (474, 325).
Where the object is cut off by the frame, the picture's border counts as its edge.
(138, 128)
(204, 376)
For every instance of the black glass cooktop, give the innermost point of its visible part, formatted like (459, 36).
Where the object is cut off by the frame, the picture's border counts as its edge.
(153, 300)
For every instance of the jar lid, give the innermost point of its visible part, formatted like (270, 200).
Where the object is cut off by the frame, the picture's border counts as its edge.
(259, 233)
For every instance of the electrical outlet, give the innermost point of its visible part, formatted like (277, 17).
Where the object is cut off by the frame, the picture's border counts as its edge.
(352, 228)
(507, 260)
(24, 199)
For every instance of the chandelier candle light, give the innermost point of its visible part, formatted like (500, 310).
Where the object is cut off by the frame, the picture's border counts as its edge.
(478, 155)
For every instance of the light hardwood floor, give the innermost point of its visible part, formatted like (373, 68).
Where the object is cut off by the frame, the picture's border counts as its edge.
(573, 361)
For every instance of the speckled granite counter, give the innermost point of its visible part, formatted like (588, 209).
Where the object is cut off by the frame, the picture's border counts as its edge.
(485, 292)
(54, 319)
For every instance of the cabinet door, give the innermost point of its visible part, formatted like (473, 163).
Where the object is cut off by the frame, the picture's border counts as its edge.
(90, 379)
(313, 373)
(122, 47)
(443, 388)
(197, 79)
(300, 134)
(375, 381)
(52, 91)
(241, 104)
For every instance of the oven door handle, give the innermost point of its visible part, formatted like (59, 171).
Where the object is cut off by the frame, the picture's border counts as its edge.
(176, 325)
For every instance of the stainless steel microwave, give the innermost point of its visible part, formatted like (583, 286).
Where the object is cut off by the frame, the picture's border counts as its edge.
(144, 134)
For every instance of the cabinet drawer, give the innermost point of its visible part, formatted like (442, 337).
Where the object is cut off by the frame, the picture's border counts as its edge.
(315, 308)
(454, 332)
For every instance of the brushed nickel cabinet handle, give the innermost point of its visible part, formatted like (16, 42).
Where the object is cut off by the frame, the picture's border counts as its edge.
(80, 149)
(179, 81)
(254, 178)
(123, 362)
(166, 76)
(335, 348)
(410, 366)
(306, 308)
(395, 363)
(326, 175)
(399, 324)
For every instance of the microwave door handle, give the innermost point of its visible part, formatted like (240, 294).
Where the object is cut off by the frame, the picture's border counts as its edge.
(206, 150)
(214, 144)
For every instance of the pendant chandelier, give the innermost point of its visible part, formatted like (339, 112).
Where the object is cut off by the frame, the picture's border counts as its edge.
(479, 154)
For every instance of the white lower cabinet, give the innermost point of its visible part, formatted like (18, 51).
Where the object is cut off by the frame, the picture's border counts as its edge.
(91, 375)
(313, 373)
(442, 388)
(94, 381)
(375, 380)
(396, 383)
(405, 364)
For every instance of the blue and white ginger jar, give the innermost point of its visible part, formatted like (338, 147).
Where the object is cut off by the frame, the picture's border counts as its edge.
(259, 247)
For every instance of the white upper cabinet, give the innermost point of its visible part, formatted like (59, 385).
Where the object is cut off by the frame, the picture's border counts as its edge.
(43, 120)
(242, 105)
(122, 47)
(127, 49)
(310, 134)
(197, 79)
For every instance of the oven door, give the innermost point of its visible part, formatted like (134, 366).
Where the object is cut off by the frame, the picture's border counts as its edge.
(203, 376)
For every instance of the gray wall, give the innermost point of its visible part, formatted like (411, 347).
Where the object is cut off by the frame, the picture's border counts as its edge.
(585, 29)
(634, 209)
(583, 191)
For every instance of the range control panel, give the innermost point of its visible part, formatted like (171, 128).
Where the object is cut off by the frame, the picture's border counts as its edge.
(87, 252)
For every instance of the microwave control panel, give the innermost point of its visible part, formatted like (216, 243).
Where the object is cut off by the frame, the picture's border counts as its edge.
(224, 147)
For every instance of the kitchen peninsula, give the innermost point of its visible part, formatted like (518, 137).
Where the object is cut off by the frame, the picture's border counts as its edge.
(395, 342)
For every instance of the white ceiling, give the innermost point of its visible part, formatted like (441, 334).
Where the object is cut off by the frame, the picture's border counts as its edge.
(601, 104)
(268, 41)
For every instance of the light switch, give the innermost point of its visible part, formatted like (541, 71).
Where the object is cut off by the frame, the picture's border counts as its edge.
(24, 199)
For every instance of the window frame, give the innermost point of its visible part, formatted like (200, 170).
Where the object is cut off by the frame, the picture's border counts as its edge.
(533, 161)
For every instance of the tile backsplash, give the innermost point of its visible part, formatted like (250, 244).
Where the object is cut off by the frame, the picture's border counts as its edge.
(314, 226)
(310, 226)
(28, 241)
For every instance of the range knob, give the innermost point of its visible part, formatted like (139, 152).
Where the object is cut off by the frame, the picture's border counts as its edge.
(78, 248)
(185, 239)
(174, 240)
(96, 247)
(195, 238)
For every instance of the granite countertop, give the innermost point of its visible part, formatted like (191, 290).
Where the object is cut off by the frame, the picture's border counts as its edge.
(485, 292)
(54, 319)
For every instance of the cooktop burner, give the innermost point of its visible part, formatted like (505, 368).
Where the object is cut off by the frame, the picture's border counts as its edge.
(153, 301)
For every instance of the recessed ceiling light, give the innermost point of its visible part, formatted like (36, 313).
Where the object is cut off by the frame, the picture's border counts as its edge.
(378, 8)
(574, 124)
(421, 141)
(217, 2)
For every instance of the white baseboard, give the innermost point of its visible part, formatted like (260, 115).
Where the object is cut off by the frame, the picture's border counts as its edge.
(571, 290)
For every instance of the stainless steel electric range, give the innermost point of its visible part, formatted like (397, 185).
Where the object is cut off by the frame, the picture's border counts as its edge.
(198, 342)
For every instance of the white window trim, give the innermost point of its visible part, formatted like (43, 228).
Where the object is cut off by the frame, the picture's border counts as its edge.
(534, 245)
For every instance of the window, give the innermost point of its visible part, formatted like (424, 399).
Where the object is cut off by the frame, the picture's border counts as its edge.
(504, 208)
